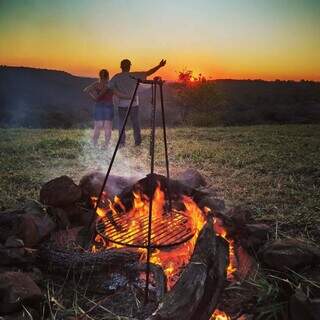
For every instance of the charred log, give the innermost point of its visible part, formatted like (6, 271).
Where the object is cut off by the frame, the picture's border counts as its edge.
(58, 260)
(200, 284)
(215, 281)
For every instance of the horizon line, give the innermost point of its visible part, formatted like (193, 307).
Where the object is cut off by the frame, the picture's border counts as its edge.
(207, 79)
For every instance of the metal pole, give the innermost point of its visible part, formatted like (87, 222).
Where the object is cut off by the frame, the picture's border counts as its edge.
(116, 148)
(153, 126)
(165, 145)
(151, 113)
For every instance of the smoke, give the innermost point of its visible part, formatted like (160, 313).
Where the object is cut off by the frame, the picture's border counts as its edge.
(129, 162)
(16, 113)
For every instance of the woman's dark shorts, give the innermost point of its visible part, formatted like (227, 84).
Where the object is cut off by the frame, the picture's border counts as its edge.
(103, 111)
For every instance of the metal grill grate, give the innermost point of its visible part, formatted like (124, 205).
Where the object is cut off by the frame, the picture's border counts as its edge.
(167, 231)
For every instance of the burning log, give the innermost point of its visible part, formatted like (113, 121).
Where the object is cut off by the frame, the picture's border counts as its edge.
(196, 293)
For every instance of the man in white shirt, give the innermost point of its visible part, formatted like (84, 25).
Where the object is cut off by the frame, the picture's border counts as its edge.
(123, 85)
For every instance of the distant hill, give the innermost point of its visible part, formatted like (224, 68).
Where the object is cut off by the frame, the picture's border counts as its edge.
(264, 102)
(28, 96)
(41, 98)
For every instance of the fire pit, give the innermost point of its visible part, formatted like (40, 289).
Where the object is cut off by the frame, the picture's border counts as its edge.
(206, 248)
(188, 243)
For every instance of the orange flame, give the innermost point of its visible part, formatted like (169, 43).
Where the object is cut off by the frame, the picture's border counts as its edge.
(171, 261)
(219, 315)
(220, 230)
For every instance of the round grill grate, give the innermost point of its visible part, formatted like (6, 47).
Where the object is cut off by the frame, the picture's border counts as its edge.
(167, 231)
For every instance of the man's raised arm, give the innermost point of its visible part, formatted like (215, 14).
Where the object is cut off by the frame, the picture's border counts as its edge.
(156, 68)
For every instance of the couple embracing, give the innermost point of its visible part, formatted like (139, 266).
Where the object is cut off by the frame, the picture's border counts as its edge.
(117, 93)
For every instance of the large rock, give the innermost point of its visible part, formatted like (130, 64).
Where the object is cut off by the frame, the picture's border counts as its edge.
(289, 254)
(12, 256)
(13, 252)
(239, 216)
(33, 207)
(192, 178)
(91, 184)
(35, 227)
(214, 204)
(66, 238)
(60, 192)
(255, 235)
(61, 217)
(17, 289)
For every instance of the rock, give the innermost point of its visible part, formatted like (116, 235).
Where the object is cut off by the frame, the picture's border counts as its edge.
(239, 216)
(86, 218)
(8, 224)
(66, 238)
(73, 211)
(61, 217)
(289, 253)
(91, 184)
(33, 228)
(71, 216)
(12, 256)
(259, 230)
(213, 203)
(192, 178)
(13, 242)
(17, 288)
(36, 275)
(301, 307)
(257, 234)
(34, 207)
(60, 192)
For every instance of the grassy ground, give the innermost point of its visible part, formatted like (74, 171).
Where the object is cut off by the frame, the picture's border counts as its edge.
(272, 170)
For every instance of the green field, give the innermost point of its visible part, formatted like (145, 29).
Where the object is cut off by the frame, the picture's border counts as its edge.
(271, 170)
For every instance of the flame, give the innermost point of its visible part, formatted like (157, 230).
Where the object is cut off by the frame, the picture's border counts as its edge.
(219, 315)
(171, 261)
(220, 230)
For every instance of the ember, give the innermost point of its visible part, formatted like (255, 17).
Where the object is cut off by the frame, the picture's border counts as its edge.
(219, 315)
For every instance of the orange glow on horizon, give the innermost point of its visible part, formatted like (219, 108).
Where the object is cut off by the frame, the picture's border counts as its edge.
(167, 73)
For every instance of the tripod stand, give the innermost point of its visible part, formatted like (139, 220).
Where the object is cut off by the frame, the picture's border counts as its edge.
(156, 83)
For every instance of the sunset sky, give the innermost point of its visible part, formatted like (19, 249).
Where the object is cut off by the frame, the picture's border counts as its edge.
(266, 39)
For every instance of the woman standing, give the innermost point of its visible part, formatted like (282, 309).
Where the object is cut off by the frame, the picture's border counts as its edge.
(103, 112)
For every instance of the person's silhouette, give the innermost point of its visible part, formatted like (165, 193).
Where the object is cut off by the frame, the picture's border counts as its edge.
(123, 84)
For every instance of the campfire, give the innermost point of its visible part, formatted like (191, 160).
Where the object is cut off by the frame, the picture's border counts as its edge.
(187, 234)
(208, 249)
(120, 227)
